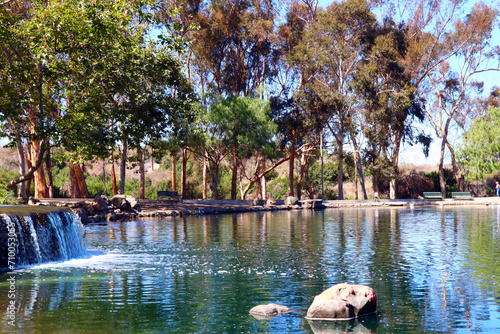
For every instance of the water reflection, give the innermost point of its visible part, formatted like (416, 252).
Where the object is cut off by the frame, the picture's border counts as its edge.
(434, 270)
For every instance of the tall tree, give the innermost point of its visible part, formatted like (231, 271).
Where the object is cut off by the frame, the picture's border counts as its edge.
(234, 45)
(446, 50)
(389, 103)
(330, 53)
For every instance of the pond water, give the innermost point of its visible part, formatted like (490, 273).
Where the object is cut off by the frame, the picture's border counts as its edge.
(434, 270)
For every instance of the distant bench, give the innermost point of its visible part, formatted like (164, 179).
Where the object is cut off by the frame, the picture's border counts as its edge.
(432, 195)
(167, 194)
(461, 195)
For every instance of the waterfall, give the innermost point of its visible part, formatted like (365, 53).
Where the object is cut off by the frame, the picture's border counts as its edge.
(46, 235)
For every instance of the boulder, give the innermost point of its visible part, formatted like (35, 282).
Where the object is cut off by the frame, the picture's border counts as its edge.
(33, 201)
(343, 301)
(120, 202)
(83, 214)
(269, 310)
(259, 202)
(291, 200)
(100, 203)
(271, 201)
(134, 202)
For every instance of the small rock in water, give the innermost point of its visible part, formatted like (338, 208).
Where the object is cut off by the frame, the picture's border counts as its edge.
(269, 310)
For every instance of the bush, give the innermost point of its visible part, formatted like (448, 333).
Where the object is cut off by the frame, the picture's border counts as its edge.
(413, 185)
(7, 197)
(449, 180)
(278, 188)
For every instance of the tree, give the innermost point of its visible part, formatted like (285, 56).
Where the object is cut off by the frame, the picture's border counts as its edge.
(443, 62)
(329, 55)
(479, 153)
(85, 76)
(233, 45)
(233, 124)
(389, 103)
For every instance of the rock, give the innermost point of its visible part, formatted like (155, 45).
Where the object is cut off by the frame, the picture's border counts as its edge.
(120, 202)
(33, 201)
(82, 213)
(291, 200)
(100, 203)
(343, 301)
(258, 202)
(269, 310)
(271, 201)
(134, 202)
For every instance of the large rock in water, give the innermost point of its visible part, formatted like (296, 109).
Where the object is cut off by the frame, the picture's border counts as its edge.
(343, 301)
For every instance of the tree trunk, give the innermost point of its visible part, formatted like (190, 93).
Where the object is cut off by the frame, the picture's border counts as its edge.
(81, 181)
(142, 175)
(123, 167)
(301, 176)
(340, 177)
(234, 178)
(456, 170)
(41, 190)
(184, 175)
(205, 166)
(75, 189)
(375, 182)
(263, 187)
(49, 174)
(359, 167)
(104, 177)
(113, 177)
(22, 166)
(291, 164)
(442, 183)
(392, 187)
(214, 172)
(174, 172)
(29, 165)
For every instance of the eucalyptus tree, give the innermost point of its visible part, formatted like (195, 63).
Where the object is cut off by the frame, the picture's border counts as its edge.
(332, 49)
(233, 46)
(389, 104)
(289, 77)
(449, 44)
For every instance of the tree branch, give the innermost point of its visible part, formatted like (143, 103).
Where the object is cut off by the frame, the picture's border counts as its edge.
(31, 171)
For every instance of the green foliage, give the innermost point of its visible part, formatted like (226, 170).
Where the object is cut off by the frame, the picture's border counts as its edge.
(7, 197)
(449, 179)
(479, 154)
(278, 188)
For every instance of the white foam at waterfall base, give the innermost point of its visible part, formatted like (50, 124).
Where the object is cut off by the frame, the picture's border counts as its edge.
(113, 260)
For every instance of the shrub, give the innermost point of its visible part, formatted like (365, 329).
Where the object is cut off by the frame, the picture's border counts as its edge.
(413, 185)
(7, 197)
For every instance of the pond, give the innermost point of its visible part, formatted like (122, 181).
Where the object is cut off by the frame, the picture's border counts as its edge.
(434, 270)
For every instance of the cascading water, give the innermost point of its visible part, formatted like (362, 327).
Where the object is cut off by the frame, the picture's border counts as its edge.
(47, 235)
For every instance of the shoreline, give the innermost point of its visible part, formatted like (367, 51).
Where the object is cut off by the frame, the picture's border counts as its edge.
(163, 208)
